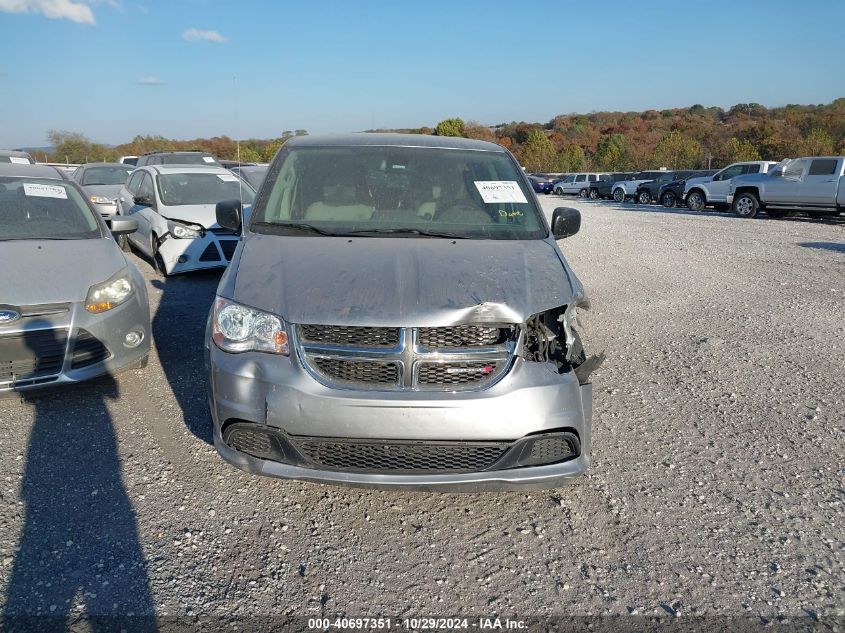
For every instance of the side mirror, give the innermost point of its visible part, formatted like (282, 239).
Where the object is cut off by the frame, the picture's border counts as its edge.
(122, 226)
(142, 201)
(566, 221)
(229, 214)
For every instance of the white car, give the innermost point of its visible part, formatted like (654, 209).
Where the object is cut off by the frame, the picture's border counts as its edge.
(576, 184)
(627, 189)
(176, 211)
(700, 193)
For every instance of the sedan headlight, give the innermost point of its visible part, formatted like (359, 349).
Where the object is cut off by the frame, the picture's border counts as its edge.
(184, 231)
(238, 328)
(109, 294)
(101, 200)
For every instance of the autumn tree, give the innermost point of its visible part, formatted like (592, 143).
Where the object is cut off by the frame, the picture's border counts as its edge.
(612, 152)
(677, 152)
(741, 150)
(538, 153)
(816, 143)
(450, 127)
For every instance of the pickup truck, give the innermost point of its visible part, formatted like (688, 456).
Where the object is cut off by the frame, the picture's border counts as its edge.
(712, 191)
(626, 189)
(603, 187)
(814, 185)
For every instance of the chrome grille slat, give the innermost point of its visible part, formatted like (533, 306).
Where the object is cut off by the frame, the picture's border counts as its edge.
(452, 358)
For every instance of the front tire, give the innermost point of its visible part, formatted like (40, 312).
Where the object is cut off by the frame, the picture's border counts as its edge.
(746, 205)
(123, 243)
(669, 200)
(619, 194)
(558, 191)
(594, 194)
(644, 197)
(158, 260)
(582, 194)
(696, 201)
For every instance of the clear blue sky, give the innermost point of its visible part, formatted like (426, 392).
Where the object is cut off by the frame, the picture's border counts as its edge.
(115, 68)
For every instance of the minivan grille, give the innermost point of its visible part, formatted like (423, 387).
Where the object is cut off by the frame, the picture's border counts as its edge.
(32, 354)
(449, 358)
(383, 455)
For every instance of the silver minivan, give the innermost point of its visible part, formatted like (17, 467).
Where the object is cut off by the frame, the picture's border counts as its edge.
(398, 313)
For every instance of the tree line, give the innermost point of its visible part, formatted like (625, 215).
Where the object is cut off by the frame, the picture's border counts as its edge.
(697, 137)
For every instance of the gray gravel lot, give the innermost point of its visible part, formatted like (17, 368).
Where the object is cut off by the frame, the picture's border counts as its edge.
(716, 487)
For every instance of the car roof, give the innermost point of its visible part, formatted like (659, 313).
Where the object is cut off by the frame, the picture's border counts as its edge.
(186, 169)
(156, 152)
(394, 140)
(14, 152)
(86, 165)
(32, 171)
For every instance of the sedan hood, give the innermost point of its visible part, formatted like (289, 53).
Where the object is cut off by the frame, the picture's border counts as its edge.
(55, 271)
(202, 214)
(406, 282)
(107, 191)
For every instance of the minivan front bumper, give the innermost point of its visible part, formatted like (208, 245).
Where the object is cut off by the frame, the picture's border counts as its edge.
(275, 392)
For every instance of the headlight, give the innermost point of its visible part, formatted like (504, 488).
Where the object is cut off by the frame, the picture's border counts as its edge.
(184, 231)
(238, 328)
(101, 200)
(109, 294)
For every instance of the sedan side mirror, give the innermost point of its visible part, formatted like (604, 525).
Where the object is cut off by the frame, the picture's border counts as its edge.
(122, 226)
(566, 221)
(229, 214)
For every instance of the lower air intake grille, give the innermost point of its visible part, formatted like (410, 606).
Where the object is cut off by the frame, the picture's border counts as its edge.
(228, 247)
(351, 455)
(31, 355)
(210, 254)
(88, 350)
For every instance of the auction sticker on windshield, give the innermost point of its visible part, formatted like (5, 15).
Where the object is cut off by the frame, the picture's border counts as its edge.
(208, 159)
(494, 191)
(44, 191)
(18, 160)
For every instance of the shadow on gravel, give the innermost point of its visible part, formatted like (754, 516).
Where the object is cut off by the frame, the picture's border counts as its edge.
(651, 208)
(825, 246)
(79, 555)
(179, 337)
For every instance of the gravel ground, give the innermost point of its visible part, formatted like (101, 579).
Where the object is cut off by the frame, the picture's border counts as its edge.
(716, 487)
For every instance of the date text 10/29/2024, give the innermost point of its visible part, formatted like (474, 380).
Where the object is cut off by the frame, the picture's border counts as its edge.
(416, 624)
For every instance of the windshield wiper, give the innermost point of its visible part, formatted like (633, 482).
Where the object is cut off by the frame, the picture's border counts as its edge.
(405, 231)
(282, 227)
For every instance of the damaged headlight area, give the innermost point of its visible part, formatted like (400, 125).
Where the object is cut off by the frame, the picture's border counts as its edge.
(239, 328)
(180, 230)
(552, 337)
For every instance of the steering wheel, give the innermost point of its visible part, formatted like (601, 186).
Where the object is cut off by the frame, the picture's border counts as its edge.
(456, 203)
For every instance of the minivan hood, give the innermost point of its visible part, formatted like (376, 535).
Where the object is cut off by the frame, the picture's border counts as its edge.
(202, 214)
(408, 282)
(55, 271)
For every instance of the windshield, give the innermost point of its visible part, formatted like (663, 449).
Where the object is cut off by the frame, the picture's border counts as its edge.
(37, 208)
(106, 175)
(202, 188)
(392, 190)
(188, 159)
(253, 175)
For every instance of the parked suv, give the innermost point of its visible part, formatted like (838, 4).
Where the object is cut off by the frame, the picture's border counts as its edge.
(375, 327)
(177, 158)
(671, 194)
(815, 185)
(649, 191)
(576, 184)
(712, 191)
(627, 189)
(603, 187)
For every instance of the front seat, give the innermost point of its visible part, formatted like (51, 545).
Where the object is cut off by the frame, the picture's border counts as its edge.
(339, 202)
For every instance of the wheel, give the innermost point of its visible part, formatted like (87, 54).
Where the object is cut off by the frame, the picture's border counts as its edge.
(582, 193)
(775, 214)
(696, 201)
(123, 243)
(158, 260)
(619, 194)
(669, 199)
(559, 191)
(644, 197)
(594, 194)
(746, 205)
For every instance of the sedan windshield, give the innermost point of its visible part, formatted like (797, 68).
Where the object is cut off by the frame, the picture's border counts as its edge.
(202, 188)
(106, 175)
(40, 209)
(393, 191)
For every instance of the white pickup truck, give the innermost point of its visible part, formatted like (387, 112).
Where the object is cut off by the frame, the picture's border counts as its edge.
(814, 185)
(712, 191)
